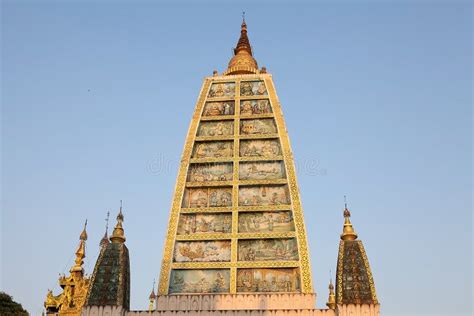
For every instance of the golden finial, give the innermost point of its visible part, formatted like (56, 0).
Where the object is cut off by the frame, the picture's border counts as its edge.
(331, 303)
(81, 251)
(243, 61)
(152, 298)
(83, 235)
(348, 232)
(118, 235)
(105, 240)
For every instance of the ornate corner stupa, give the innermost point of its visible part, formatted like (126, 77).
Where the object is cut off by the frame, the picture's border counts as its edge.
(355, 288)
(74, 286)
(110, 281)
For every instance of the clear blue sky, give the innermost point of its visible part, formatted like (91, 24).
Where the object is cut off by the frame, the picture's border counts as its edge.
(97, 98)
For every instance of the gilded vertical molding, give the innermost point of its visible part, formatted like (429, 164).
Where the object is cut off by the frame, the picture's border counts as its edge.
(305, 265)
(179, 190)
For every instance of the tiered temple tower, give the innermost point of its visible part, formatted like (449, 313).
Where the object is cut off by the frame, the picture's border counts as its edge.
(236, 222)
(236, 241)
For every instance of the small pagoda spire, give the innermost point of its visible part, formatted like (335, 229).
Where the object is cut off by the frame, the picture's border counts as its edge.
(348, 232)
(105, 240)
(118, 235)
(331, 303)
(81, 251)
(243, 61)
(152, 298)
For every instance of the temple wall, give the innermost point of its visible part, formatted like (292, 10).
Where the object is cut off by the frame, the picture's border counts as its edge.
(237, 305)
(103, 311)
(300, 312)
(229, 302)
(358, 310)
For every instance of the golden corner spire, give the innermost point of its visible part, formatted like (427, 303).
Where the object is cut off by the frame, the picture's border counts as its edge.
(152, 298)
(331, 303)
(348, 232)
(243, 61)
(81, 251)
(74, 286)
(118, 235)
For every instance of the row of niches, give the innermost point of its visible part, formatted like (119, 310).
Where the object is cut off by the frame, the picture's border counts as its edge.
(247, 108)
(255, 170)
(263, 195)
(248, 250)
(247, 88)
(248, 222)
(247, 127)
(248, 280)
(266, 148)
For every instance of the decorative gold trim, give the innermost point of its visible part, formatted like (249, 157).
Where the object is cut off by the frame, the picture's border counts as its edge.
(179, 190)
(305, 266)
(204, 236)
(281, 207)
(266, 235)
(254, 97)
(211, 160)
(234, 235)
(209, 184)
(235, 189)
(218, 118)
(263, 182)
(340, 267)
(236, 264)
(214, 138)
(369, 271)
(200, 265)
(257, 116)
(259, 136)
(233, 280)
(230, 159)
(241, 68)
(207, 210)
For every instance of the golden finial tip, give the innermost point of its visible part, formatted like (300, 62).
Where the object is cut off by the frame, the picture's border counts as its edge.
(152, 295)
(348, 232)
(331, 303)
(347, 213)
(83, 235)
(118, 235)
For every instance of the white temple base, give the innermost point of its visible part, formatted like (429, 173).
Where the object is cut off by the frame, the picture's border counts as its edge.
(229, 302)
(287, 304)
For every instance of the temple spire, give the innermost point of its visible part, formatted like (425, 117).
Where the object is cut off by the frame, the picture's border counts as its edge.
(118, 235)
(243, 61)
(152, 298)
(81, 251)
(348, 232)
(105, 240)
(331, 303)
